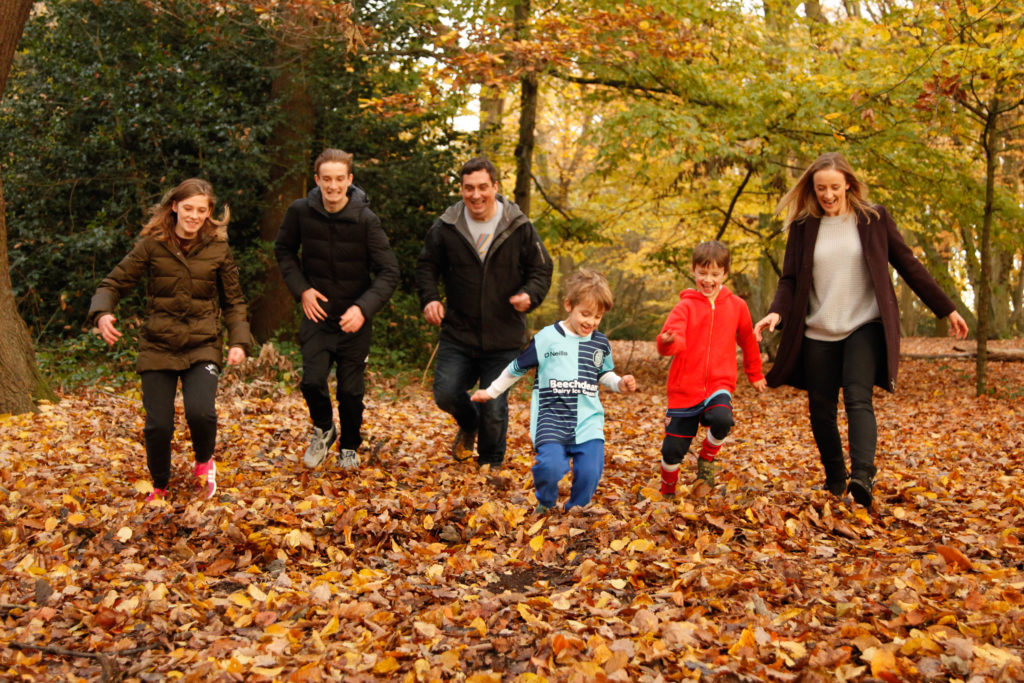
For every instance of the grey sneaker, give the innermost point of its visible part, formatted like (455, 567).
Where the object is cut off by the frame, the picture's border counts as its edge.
(348, 459)
(318, 447)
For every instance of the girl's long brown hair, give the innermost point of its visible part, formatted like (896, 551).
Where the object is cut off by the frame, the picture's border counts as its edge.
(162, 217)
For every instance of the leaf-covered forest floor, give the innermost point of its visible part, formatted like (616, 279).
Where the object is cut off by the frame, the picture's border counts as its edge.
(418, 568)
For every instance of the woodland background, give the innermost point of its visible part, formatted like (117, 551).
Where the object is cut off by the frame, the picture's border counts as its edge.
(629, 132)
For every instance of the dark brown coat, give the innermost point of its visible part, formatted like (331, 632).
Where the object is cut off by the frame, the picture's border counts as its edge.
(185, 297)
(883, 245)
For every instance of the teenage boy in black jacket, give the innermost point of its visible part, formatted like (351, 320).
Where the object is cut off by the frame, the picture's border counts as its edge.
(345, 274)
(495, 270)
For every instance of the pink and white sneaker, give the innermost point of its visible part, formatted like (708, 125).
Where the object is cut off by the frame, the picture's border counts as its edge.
(206, 477)
(156, 494)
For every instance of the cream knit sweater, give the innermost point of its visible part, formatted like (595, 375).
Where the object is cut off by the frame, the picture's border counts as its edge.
(842, 296)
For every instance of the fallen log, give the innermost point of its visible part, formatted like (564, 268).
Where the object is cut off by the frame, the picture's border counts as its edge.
(958, 353)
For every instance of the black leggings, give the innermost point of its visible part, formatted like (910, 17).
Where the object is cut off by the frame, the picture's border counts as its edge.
(199, 391)
(852, 364)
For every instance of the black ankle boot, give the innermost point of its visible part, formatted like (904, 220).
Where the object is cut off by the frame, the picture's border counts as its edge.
(861, 492)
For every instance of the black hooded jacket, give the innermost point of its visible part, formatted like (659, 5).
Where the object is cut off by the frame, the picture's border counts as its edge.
(477, 312)
(344, 256)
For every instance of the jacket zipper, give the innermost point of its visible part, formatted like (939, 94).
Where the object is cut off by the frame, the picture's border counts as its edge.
(707, 357)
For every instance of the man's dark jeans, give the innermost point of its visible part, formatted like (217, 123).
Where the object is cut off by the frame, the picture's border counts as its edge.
(459, 369)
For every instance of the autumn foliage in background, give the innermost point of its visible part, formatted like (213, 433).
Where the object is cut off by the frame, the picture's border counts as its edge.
(417, 568)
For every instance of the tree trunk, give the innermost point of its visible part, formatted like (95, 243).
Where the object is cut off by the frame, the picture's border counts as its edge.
(989, 141)
(20, 380)
(290, 141)
(527, 116)
(492, 111)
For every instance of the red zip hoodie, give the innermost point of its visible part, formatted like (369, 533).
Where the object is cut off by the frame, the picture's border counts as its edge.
(704, 349)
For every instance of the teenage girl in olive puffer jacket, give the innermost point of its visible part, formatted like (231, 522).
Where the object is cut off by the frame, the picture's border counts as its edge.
(192, 288)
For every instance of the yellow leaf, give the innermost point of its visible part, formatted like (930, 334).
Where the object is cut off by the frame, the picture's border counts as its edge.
(833, 115)
(76, 518)
(123, 534)
(746, 640)
(787, 615)
(240, 599)
(256, 594)
(332, 627)
(536, 543)
(269, 673)
(386, 665)
(428, 522)
(618, 544)
(480, 625)
(537, 526)
(640, 545)
(51, 523)
(883, 665)
(436, 572)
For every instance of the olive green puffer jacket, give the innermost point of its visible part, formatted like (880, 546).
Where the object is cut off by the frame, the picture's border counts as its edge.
(185, 297)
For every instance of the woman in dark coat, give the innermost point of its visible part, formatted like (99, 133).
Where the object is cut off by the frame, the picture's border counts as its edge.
(192, 290)
(836, 306)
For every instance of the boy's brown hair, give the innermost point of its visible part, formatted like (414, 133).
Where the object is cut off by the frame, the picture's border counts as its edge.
(333, 155)
(711, 253)
(586, 284)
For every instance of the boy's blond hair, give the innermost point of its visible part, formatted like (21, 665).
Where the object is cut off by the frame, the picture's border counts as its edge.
(711, 253)
(588, 285)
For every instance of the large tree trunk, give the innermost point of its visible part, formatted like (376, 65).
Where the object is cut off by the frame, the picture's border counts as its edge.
(527, 115)
(20, 381)
(291, 141)
(989, 141)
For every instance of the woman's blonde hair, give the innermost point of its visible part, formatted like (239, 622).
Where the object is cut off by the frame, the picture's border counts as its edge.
(588, 285)
(162, 217)
(801, 201)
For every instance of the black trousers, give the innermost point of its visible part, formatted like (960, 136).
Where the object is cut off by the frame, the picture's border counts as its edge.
(850, 364)
(348, 353)
(199, 391)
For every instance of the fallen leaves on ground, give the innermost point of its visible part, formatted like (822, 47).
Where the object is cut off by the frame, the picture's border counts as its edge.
(418, 568)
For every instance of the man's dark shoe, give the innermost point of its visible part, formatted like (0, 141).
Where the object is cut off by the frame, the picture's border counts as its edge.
(462, 447)
(837, 488)
(861, 492)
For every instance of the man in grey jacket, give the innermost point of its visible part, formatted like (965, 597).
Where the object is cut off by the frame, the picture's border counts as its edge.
(494, 269)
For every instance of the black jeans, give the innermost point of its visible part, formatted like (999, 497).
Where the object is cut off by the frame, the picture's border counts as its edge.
(457, 370)
(199, 391)
(852, 364)
(348, 352)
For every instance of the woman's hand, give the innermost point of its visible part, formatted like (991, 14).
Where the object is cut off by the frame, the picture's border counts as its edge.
(105, 323)
(957, 325)
(236, 355)
(771, 321)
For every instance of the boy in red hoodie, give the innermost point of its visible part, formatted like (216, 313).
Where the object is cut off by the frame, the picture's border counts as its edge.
(701, 335)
